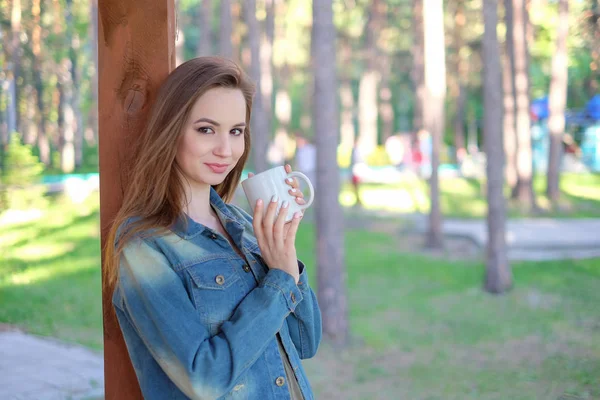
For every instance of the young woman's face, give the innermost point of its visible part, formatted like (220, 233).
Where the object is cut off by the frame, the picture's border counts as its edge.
(213, 137)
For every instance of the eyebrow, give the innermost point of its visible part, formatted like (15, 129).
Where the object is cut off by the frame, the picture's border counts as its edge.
(215, 123)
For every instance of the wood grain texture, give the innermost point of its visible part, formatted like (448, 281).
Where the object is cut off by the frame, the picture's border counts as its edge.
(136, 52)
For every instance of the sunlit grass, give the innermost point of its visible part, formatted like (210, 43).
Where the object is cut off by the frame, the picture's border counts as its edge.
(466, 198)
(50, 272)
(422, 328)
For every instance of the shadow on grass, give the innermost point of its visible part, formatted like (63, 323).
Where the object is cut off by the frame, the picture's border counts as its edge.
(46, 232)
(57, 294)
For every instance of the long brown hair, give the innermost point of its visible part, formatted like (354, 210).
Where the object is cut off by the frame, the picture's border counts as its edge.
(155, 194)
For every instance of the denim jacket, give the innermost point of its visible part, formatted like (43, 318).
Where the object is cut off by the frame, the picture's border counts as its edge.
(200, 322)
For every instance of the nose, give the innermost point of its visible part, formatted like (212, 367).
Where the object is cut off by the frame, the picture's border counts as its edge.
(222, 146)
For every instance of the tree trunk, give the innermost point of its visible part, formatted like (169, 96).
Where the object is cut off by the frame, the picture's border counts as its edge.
(14, 73)
(67, 125)
(330, 239)
(418, 68)
(524, 188)
(498, 275)
(91, 131)
(180, 47)
(386, 110)
(12, 119)
(510, 105)
(66, 120)
(435, 93)
(225, 47)
(461, 82)
(75, 82)
(346, 96)
(557, 101)
(260, 136)
(136, 54)
(266, 66)
(204, 22)
(369, 82)
(36, 47)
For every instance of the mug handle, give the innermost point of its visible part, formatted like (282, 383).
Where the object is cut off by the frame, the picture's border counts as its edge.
(311, 190)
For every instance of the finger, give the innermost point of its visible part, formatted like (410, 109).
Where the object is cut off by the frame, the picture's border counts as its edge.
(300, 201)
(257, 221)
(293, 182)
(269, 220)
(278, 229)
(290, 238)
(296, 192)
(250, 174)
(288, 168)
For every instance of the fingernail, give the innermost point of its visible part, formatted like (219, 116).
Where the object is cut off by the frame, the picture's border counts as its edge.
(294, 190)
(259, 202)
(297, 214)
(285, 204)
(289, 180)
(274, 199)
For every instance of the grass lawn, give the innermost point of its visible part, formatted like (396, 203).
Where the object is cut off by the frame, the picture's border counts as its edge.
(465, 198)
(421, 328)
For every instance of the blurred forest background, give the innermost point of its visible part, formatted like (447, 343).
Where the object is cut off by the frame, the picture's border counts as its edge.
(447, 107)
(48, 97)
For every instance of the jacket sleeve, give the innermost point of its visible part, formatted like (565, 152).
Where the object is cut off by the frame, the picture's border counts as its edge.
(304, 323)
(154, 301)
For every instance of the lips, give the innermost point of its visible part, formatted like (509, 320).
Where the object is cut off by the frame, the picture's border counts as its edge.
(217, 168)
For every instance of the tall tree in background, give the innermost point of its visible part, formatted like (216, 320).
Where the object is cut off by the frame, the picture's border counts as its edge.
(433, 113)
(510, 105)
(14, 70)
(418, 68)
(260, 133)
(266, 65)
(498, 275)
(558, 101)
(524, 189)
(225, 46)
(92, 137)
(330, 239)
(461, 79)
(74, 46)
(179, 38)
(369, 81)
(204, 24)
(593, 35)
(66, 117)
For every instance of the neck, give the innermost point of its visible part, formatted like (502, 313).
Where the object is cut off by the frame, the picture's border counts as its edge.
(198, 202)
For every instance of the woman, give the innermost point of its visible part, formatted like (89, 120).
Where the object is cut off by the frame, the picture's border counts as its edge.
(213, 303)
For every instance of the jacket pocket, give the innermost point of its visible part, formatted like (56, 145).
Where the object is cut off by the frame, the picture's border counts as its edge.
(217, 290)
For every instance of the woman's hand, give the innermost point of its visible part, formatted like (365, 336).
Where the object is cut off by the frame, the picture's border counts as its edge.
(277, 244)
(293, 182)
(294, 191)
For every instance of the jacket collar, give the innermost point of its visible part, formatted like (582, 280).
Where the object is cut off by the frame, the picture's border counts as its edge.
(186, 228)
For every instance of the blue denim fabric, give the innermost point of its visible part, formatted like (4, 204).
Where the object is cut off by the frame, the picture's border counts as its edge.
(200, 322)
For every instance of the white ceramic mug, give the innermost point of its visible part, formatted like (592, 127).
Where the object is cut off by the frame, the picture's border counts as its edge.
(272, 183)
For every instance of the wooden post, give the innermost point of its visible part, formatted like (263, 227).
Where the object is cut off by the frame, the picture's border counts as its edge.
(136, 48)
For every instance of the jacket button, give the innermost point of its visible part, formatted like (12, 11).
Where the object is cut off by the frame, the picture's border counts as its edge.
(246, 268)
(293, 297)
(213, 236)
(220, 279)
(280, 381)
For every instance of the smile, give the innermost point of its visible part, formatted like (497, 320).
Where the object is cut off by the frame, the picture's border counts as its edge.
(217, 168)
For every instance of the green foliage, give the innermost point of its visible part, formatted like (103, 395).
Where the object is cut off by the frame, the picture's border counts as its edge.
(22, 170)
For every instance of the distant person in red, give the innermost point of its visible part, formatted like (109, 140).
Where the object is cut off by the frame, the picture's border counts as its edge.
(356, 162)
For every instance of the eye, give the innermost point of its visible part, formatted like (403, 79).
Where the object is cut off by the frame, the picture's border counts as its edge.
(205, 130)
(237, 132)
